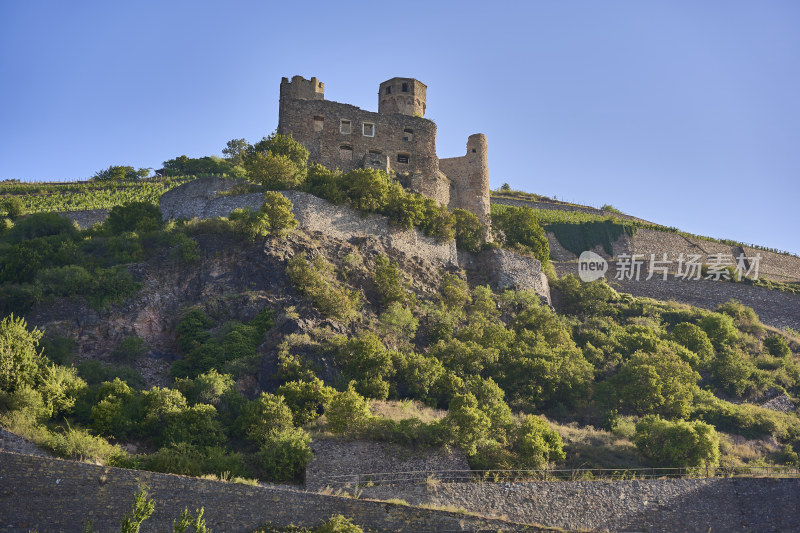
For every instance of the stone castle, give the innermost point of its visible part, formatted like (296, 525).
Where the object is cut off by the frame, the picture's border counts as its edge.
(398, 138)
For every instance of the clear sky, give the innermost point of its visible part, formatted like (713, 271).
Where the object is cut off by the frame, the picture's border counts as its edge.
(684, 112)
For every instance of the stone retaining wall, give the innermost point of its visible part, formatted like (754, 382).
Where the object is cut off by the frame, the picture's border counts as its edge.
(774, 308)
(340, 458)
(668, 505)
(41, 494)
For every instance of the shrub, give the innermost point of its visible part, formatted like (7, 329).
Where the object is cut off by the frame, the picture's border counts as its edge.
(679, 443)
(277, 162)
(13, 207)
(284, 454)
(777, 346)
(469, 230)
(306, 399)
(208, 388)
(338, 524)
(366, 364)
(60, 387)
(347, 412)
(660, 382)
(455, 292)
(140, 217)
(130, 348)
(522, 229)
(197, 425)
(367, 189)
(720, 329)
(467, 422)
(20, 357)
(398, 322)
(41, 225)
(387, 279)
(95, 372)
(695, 339)
(536, 444)
(278, 210)
(264, 416)
(119, 173)
(316, 281)
(68, 280)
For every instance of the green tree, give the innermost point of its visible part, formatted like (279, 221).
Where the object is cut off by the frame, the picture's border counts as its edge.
(536, 443)
(284, 454)
(695, 339)
(121, 172)
(264, 416)
(658, 383)
(470, 234)
(521, 228)
(20, 356)
(277, 162)
(679, 443)
(347, 412)
(135, 216)
(306, 399)
(234, 151)
(13, 207)
(467, 422)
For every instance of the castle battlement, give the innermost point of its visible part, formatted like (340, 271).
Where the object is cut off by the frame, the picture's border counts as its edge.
(397, 139)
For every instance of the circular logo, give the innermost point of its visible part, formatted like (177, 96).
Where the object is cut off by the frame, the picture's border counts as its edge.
(591, 266)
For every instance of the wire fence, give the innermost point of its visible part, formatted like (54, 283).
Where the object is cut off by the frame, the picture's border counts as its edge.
(575, 474)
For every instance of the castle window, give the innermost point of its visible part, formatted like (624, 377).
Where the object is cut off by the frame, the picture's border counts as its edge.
(408, 134)
(344, 127)
(473, 150)
(346, 152)
(389, 90)
(319, 122)
(402, 158)
(405, 87)
(368, 129)
(375, 152)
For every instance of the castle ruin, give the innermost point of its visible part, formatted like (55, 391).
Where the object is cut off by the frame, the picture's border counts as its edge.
(397, 139)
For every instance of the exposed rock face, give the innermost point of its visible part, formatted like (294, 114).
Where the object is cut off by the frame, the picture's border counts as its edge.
(503, 269)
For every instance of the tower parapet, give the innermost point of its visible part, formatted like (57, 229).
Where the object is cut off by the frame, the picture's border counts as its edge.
(302, 89)
(402, 95)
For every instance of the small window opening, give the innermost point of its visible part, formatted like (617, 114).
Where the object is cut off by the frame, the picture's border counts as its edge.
(375, 152)
(344, 127)
(389, 90)
(473, 150)
(408, 134)
(402, 158)
(405, 87)
(346, 152)
(368, 129)
(319, 122)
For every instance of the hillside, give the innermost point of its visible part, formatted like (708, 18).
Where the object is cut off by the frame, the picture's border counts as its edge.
(231, 343)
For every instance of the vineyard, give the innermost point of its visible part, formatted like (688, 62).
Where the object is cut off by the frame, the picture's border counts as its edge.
(40, 197)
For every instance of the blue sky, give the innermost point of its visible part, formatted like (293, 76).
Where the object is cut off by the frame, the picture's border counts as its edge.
(686, 113)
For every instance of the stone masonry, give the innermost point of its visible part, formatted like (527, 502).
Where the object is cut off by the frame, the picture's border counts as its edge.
(396, 139)
(43, 494)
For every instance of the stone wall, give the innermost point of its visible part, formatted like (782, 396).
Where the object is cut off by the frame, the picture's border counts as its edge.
(775, 308)
(668, 505)
(337, 459)
(43, 494)
(10, 442)
(777, 267)
(200, 198)
(470, 177)
(88, 218)
(317, 125)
